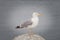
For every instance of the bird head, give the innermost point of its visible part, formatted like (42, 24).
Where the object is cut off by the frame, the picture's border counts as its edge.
(37, 14)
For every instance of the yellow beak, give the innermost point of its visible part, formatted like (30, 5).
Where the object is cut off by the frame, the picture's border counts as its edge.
(39, 14)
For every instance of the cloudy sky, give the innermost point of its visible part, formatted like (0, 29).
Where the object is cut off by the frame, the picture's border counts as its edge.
(14, 12)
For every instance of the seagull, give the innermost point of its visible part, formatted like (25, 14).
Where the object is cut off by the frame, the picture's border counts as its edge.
(31, 23)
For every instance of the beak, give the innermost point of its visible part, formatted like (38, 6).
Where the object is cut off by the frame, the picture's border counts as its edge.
(39, 14)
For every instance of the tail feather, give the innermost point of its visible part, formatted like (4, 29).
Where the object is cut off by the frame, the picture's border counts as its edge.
(17, 27)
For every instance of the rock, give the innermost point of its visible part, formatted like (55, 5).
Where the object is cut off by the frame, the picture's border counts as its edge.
(29, 37)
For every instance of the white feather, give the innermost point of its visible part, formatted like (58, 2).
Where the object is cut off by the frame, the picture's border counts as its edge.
(35, 21)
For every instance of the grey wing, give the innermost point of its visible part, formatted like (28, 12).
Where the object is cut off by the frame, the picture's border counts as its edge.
(26, 24)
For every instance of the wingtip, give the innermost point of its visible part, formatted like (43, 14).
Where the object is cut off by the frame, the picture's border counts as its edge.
(17, 27)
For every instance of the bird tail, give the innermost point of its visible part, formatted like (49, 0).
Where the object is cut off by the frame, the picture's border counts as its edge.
(17, 27)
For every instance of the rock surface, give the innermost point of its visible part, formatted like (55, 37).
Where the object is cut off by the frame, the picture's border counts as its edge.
(29, 37)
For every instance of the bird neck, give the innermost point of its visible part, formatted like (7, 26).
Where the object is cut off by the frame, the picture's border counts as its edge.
(35, 18)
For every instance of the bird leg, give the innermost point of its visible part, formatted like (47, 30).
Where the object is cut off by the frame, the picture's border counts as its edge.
(30, 32)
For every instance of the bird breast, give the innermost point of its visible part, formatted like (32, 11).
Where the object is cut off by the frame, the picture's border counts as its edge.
(35, 21)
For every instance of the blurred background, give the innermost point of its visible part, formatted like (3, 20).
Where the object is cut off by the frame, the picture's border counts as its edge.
(14, 12)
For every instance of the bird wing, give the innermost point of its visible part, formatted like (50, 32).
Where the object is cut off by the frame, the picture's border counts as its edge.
(26, 23)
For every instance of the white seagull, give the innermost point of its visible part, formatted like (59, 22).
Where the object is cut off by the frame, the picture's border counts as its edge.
(33, 22)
